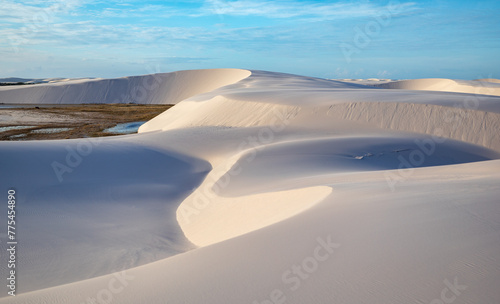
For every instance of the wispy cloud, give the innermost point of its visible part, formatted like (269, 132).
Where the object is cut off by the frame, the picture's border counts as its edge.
(154, 11)
(36, 11)
(291, 9)
(91, 22)
(26, 11)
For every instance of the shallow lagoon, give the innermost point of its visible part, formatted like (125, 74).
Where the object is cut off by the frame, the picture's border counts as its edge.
(125, 128)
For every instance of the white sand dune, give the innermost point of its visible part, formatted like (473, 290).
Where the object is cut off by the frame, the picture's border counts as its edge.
(369, 81)
(268, 188)
(164, 88)
(446, 85)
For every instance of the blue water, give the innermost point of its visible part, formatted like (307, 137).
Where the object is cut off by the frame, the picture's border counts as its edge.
(125, 128)
(14, 106)
(3, 129)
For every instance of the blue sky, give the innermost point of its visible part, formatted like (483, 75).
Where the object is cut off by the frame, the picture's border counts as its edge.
(332, 39)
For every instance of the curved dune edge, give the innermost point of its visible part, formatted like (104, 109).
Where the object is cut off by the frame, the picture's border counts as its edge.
(220, 111)
(481, 87)
(162, 88)
(206, 218)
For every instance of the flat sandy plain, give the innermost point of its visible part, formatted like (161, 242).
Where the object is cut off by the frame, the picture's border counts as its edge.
(262, 187)
(88, 120)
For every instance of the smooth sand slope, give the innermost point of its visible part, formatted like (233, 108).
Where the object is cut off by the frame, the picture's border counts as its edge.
(274, 188)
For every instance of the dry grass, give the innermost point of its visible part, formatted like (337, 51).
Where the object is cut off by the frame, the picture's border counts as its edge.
(89, 120)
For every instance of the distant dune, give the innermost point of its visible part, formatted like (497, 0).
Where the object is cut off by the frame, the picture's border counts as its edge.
(489, 80)
(446, 85)
(39, 80)
(166, 88)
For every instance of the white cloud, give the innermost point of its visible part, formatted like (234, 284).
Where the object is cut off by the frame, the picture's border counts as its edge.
(36, 13)
(294, 9)
(146, 11)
